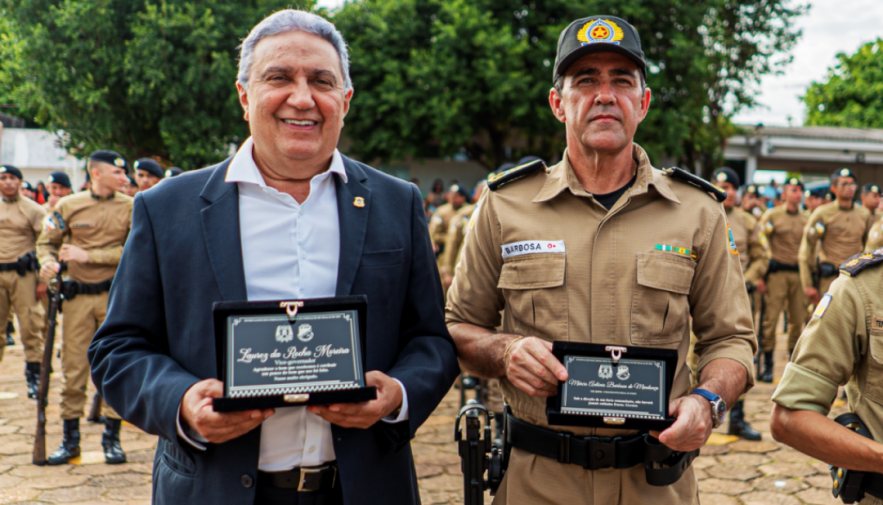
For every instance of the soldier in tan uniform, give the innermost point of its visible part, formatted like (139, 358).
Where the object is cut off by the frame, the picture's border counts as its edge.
(457, 229)
(871, 198)
(20, 223)
(59, 186)
(148, 173)
(600, 248)
(841, 346)
(813, 198)
(752, 244)
(875, 236)
(87, 232)
(751, 202)
(783, 226)
(841, 227)
(438, 225)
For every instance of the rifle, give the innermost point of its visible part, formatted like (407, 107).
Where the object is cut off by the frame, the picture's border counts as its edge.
(478, 454)
(39, 457)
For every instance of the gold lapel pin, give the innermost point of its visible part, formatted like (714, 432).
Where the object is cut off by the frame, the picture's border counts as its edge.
(359, 202)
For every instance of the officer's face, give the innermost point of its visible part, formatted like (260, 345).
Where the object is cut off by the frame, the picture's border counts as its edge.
(845, 188)
(9, 185)
(870, 200)
(601, 102)
(145, 179)
(732, 194)
(57, 190)
(296, 101)
(109, 176)
(792, 194)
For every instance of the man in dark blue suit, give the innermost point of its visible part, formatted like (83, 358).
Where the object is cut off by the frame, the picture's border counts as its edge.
(288, 217)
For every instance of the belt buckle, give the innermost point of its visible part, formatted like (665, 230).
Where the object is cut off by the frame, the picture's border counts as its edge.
(601, 453)
(316, 480)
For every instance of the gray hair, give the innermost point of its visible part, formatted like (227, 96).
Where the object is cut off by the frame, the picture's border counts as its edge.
(290, 20)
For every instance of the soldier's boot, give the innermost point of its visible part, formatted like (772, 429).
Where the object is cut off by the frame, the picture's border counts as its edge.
(10, 329)
(767, 375)
(110, 442)
(32, 375)
(739, 426)
(70, 444)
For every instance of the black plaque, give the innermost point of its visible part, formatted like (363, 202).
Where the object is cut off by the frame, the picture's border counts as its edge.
(612, 386)
(291, 352)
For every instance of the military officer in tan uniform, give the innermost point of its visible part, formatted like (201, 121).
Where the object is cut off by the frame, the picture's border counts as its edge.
(59, 186)
(457, 229)
(783, 226)
(20, 223)
(875, 236)
(751, 202)
(841, 346)
(813, 198)
(871, 198)
(87, 232)
(841, 227)
(438, 225)
(600, 248)
(148, 173)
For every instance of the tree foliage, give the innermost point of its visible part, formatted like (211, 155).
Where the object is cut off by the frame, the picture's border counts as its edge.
(852, 94)
(146, 78)
(438, 77)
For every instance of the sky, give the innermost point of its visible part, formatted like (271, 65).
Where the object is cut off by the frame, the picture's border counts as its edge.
(830, 27)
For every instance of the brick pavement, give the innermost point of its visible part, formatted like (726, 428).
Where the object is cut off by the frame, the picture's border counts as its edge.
(730, 473)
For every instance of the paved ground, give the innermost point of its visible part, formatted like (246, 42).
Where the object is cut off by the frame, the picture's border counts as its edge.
(731, 472)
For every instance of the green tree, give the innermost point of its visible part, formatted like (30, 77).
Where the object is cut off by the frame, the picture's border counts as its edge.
(440, 77)
(852, 93)
(146, 78)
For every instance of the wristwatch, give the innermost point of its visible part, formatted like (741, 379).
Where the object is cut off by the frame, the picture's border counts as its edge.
(718, 406)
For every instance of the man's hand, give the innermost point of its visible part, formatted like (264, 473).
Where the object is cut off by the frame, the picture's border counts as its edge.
(42, 287)
(366, 414)
(693, 425)
(73, 254)
(813, 295)
(761, 287)
(49, 270)
(531, 367)
(217, 427)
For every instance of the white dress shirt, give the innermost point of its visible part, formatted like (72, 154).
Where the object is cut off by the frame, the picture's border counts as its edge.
(289, 251)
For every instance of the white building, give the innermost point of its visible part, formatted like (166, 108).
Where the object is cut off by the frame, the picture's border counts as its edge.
(36, 153)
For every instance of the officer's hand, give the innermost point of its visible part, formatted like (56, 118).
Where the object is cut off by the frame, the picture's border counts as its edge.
(761, 286)
(217, 427)
(49, 270)
(693, 425)
(72, 253)
(531, 367)
(366, 414)
(448, 280)
(42, 287)
(813, 295)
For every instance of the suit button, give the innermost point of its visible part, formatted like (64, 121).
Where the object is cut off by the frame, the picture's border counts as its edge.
(246, 481)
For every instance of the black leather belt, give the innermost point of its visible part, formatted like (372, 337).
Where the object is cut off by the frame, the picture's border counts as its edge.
(775, 266)
(305, 480)
(662, 466)
(6, 267)
(71, 289)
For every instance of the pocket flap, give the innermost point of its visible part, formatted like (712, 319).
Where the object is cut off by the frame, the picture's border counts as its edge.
(533, 272)
(381, 258)
(666, 272)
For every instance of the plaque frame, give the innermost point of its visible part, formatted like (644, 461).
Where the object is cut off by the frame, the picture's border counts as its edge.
(560, 349)
(221, 311)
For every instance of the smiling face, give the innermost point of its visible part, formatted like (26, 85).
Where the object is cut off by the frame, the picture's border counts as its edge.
(601, 102)
(296, 99)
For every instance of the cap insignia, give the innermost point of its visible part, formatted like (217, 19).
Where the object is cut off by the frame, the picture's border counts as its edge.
(600, 30)
(2, 170)
(119, 162)
(844, 172)
(721, 177)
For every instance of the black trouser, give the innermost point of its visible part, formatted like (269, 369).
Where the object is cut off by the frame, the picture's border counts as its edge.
(278, 496)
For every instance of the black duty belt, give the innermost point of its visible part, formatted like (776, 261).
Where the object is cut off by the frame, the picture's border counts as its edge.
(828, 270)
(305, 480)
(776, 266)
(23, 265)
(6, 267)
(662, 466)
(71, 289)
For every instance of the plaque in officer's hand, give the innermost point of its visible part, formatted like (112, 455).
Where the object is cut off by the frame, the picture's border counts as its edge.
(612, 386)
(291, 352)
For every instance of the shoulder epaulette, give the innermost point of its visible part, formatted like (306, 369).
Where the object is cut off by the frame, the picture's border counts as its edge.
(682, 175)
(859, 262)
(497, 181)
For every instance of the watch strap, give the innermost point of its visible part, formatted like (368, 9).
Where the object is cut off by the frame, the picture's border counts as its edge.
(708, 395)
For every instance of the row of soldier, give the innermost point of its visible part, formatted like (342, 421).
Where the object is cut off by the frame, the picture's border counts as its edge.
(82, 233)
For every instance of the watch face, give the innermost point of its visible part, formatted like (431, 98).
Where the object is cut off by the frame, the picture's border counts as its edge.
(720, 411)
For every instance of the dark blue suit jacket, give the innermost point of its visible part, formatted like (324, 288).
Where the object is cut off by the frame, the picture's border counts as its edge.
(184, 253)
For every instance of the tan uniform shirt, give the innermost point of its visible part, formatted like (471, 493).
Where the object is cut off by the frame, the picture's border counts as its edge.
(751, 244)
(565, 268)
(842, 233)
(842, 345)
(457, 229)
(438, 224)
(875, 236)
(98, 225)
(20, 224)
(784, 231)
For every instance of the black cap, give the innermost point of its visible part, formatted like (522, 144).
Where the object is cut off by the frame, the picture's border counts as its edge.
(844, 172)
(726, 174)
(59, 178)
(173, 172)
(598, 34)
(456, 188)
(9, 169)
(27, 185)
(111, 158)
(820, 192)
(148, 165)
(794, 181)
(871, 188)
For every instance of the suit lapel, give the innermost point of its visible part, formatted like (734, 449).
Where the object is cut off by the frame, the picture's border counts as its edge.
(220, 224)
(353, 223)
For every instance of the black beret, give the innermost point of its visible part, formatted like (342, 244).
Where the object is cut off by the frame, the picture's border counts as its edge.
(750, 188)
(456, 188)
(148, 165)
(27, 185)
(9, 169)
(111, 158)
(726, 174)
(794, 181)
(844, 172)
(132, 180)
(871, 188)
(820, 192)
(173, 172)
(59, 178)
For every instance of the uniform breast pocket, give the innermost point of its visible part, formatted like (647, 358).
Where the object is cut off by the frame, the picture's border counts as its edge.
(660, 305)
(533, 286)
(874, 382)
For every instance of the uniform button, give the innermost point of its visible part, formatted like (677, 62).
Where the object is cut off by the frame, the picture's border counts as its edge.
(246, 481)
(303, 255)
(312, 450)
(300, 212)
